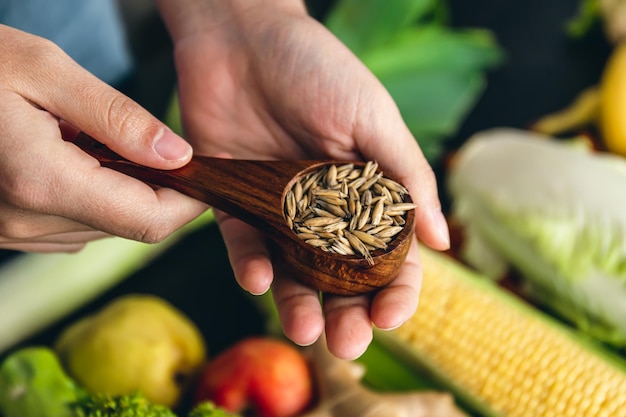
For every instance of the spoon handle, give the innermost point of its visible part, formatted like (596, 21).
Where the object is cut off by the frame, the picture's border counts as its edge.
(253, 191)
(250, 190)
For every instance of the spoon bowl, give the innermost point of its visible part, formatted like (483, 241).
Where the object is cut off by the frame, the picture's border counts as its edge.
(254, 192)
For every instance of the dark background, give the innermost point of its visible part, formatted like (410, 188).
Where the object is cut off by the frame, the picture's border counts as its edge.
(545, 69)
(543, 72)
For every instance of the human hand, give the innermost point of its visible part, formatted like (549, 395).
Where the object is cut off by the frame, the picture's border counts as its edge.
(268, 82)
(53, 196)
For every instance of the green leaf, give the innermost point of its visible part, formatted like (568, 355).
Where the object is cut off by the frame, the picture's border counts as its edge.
(434, 47)
(434, 73)
(362, 25)
(435, 77)
(434, 103)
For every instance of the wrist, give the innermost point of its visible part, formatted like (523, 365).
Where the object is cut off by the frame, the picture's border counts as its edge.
(188, 17)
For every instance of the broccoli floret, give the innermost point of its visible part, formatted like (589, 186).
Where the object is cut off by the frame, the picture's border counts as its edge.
(208, 409)
(132, 405)
(136, 405)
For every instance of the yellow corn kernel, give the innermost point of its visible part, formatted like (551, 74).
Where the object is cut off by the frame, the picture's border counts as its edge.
(502, 355)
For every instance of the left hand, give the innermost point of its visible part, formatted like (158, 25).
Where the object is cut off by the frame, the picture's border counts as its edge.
(263, 81)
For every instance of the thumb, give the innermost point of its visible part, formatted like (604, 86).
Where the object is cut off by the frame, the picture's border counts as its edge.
(107, 115)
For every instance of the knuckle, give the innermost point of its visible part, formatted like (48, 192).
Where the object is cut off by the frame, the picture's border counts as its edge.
(39, 51)
(122, 117)
(119, 114)
(45, 58)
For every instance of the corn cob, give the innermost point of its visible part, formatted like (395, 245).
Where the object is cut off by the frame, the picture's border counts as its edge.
(502, 356)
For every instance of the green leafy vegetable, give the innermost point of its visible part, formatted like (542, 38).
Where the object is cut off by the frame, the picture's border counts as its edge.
(432, 100)
(378, 21)
(553, 211)
(434, 73)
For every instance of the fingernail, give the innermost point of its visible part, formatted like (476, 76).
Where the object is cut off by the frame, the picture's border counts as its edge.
(172, 147)
(441, 225)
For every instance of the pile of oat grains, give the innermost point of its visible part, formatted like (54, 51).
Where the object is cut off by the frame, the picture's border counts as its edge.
(347, 209)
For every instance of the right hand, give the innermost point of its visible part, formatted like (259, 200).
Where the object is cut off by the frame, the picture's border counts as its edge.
(53, 196)
(264, 80)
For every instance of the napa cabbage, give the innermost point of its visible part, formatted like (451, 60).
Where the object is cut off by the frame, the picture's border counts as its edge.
(554, 212)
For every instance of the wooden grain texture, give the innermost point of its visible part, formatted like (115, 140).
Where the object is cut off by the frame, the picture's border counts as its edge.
(253, 191)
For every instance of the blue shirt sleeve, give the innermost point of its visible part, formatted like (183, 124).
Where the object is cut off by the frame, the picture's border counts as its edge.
(90, 31)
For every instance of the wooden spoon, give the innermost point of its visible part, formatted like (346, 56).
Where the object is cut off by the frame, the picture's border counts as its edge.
(254, 192)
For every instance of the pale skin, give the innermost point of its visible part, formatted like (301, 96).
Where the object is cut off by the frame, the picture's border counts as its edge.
(257, 79)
